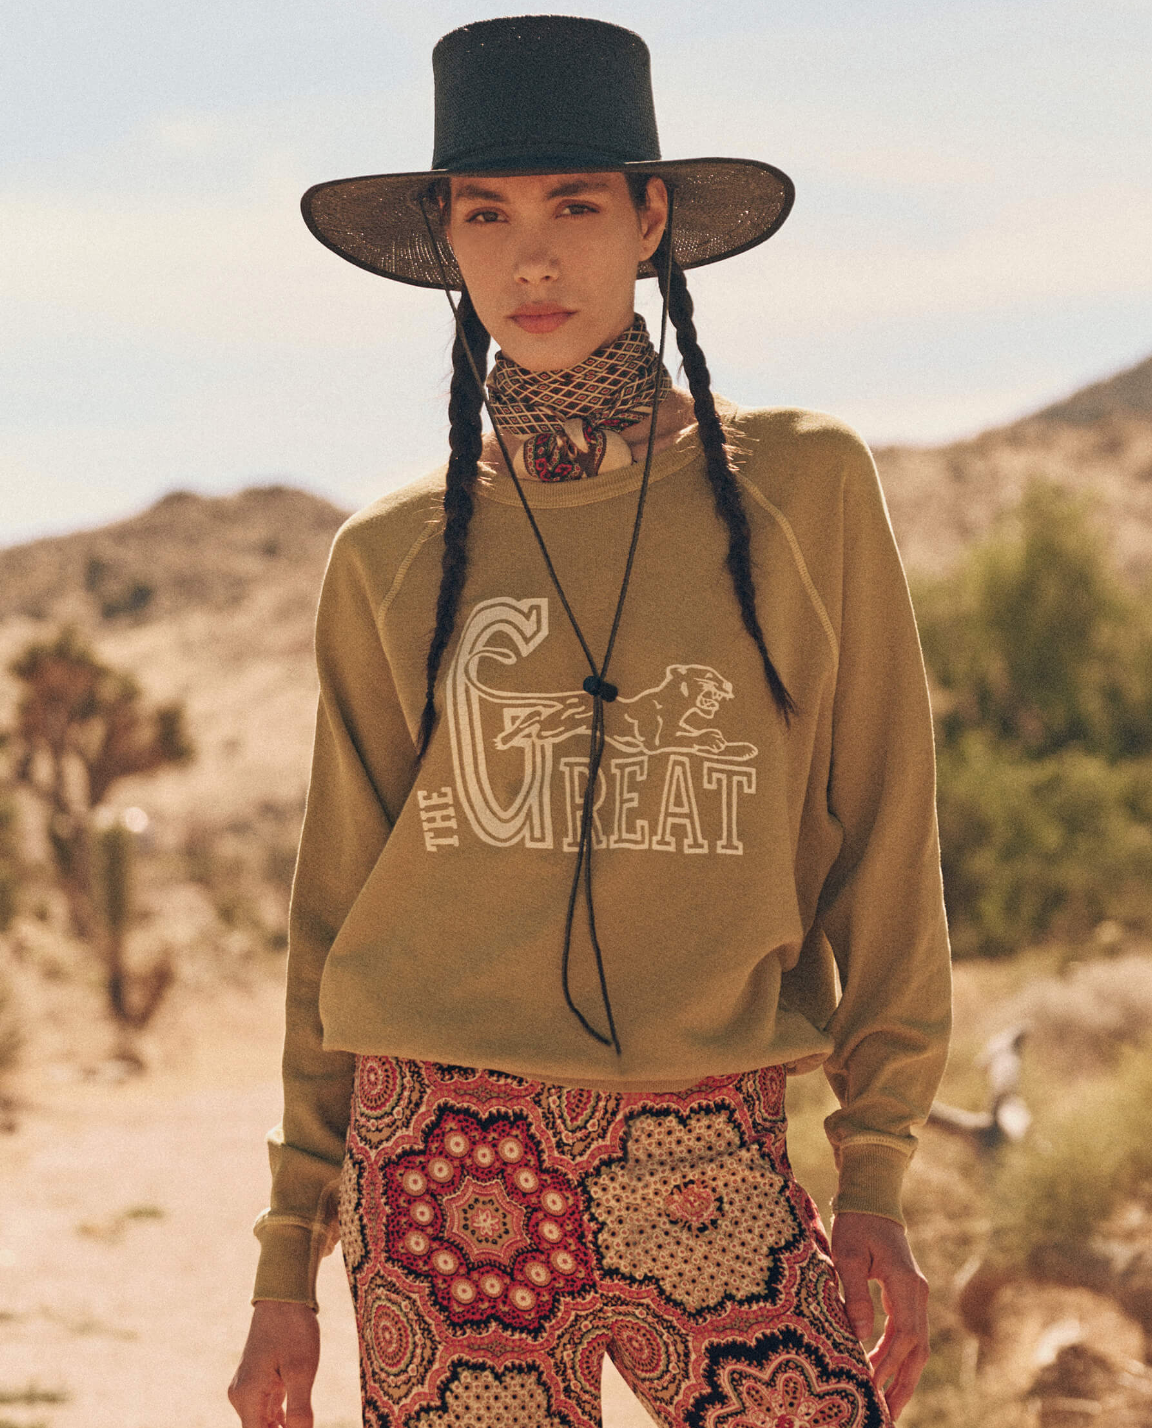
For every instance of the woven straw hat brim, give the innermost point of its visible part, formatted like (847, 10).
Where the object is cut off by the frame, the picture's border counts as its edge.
(723, 207)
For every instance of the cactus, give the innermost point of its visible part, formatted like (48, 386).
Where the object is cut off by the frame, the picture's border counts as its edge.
(114, 869)
(9, 864)
(133, 998)
(11, 1037)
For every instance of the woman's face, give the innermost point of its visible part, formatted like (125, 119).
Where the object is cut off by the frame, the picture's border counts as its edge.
(550, 259)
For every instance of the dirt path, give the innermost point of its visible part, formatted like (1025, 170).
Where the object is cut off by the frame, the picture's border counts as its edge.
(125, 1258)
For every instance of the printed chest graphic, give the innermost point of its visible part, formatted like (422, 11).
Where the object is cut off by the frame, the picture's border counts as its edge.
(672, 779)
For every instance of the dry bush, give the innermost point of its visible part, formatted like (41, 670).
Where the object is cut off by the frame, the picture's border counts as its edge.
(1089, 1152)
(1081, 1021)
(245, 868)
(11, 1034)
(11, 1045)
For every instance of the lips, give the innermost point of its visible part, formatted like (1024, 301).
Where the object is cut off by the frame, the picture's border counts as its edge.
(545, 318)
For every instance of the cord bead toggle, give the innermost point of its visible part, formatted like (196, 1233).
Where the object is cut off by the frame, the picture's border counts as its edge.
(600, 688)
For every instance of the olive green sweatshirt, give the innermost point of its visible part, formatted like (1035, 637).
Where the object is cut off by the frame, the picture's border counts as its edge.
(766, 892)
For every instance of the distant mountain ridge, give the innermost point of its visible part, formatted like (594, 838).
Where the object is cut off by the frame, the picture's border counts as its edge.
(1128, 393)
(210, 600)
(210, 552)
(185, 550)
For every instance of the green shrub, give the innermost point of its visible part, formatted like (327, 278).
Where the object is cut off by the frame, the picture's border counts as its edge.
(1035, 846)
(1041, 665)
(1035, 640)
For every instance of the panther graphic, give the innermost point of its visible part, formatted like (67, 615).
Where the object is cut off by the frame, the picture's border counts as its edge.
(674, 716)
(509, 800)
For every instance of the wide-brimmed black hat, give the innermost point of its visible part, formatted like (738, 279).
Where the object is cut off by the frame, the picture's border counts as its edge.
(544, 94)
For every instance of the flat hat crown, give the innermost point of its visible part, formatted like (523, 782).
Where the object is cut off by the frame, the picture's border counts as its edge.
(542, 92)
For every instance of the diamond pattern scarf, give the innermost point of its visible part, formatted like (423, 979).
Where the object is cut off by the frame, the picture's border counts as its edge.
(571, 419)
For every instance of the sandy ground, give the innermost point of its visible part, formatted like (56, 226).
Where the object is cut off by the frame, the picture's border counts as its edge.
(125, 1254)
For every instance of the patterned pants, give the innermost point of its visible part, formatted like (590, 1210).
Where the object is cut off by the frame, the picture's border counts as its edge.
(502, 1235)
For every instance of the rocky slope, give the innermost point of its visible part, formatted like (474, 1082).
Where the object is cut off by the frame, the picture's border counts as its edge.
(1097, 442)
(209, 600)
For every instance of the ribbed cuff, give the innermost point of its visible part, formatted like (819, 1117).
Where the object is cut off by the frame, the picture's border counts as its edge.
(871, 1177)
(290, 1257)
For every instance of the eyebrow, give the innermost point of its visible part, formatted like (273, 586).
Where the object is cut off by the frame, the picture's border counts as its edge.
(571, 189)
(577, 186)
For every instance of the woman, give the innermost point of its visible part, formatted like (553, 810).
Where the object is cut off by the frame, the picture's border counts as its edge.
(640, 631)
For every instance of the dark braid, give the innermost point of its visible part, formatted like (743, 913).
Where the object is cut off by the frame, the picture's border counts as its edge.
(465, 434)
(721, 476)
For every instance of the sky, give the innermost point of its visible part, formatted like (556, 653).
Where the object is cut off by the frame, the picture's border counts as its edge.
(971, 237)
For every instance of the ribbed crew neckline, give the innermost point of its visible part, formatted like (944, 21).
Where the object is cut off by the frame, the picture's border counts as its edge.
(494, 485)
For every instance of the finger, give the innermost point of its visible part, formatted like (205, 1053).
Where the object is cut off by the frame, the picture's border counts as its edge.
(899, 1340)
(853, 1272)
(887, 1358)
(900, 1391)
(254, 1404)
(275, 1410)
(299, 1413)
(905, 1299)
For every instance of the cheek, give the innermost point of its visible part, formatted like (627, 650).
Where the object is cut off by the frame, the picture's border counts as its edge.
(481, 281)
(607, 265)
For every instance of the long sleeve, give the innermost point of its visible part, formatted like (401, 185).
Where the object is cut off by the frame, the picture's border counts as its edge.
(881, 906)
(362, 766)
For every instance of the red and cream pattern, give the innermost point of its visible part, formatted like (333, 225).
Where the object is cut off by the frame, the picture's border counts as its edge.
(569, 417)
(502, 1235)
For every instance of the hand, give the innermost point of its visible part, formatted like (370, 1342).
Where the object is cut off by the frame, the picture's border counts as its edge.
(279, 1360)
(868, 1247)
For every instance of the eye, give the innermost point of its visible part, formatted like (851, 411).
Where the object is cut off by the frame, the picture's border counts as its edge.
(576, 208)
(484, 215)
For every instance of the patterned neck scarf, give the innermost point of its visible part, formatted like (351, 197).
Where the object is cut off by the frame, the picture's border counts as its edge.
(571, 419)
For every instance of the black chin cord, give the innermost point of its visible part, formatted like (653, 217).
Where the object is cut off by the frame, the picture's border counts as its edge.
(597, 683)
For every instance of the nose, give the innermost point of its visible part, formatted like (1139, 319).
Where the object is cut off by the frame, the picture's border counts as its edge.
(536, 262)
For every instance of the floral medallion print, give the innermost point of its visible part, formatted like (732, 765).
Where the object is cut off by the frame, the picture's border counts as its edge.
(692, 1206)
(818, 1298)
(762, 1092)
(579, 1354)
(375, 1413)
(695, 1204)
(648, 1350)
(783, 1381)
(396, 1339)
(490, 1231)
(650, 1353)
(385, 1094)
(579, 1119)
(502, 1235)
(475, 1396)
(353, 1241)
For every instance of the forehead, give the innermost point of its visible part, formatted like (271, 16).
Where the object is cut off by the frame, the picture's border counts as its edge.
(527, 188)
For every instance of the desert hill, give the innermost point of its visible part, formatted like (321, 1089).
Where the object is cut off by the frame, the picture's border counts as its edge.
(184, 551)
(209, 600)
(1097, 442)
